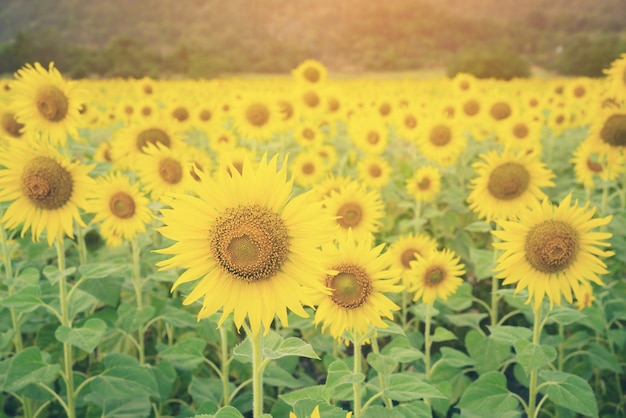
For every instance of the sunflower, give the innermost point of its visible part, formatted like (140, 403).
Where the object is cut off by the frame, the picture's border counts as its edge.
(47, 191)
(409, 248)
(507, 183)
(369, 133)
(308, 134)
(552, 250)
(355, 209)
(310, 72)
(464, 83)
(584, 297)
(358, 276)
(222, 140)
(129, 143)
(437, 275)
(120, 208)
(253, 248)
(407, 123)
(256, 117)
(591, 163)
(616, 76)
(441, 141)
(374, 171)
(9, 126)
(520, 133)
(162, 170)
(308, 168)
(424, 184)
(46, 104)
(609, 129)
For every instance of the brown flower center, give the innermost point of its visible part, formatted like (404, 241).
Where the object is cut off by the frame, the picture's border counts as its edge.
(308, 168)
(614, 130)
(170, 170)
(375, 170)
(579, 91)
(10, 125)
(146, 111)
(384, 109)
(46, 183)
(500, 110)
(471, 107)
(205, 115)
(180, 113)
(434, 275)
(408, 255)
(311, 75)
(351, 286)
(440, 135)
(52, 103)
(333, 104)
(257, 114)
(152, 136)
(308, 134)
(410, 121)
(508, 181)
(122, 205)
(311, 99)
(520, 131)
(594, 166)
(424, 184)
(372, 137)
(551, 246)
(350, 215)
(249, 242)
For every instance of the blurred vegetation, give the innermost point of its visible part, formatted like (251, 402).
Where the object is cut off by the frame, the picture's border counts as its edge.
(208, 38)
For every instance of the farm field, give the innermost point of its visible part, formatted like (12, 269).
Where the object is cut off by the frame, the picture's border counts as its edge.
(313, 244)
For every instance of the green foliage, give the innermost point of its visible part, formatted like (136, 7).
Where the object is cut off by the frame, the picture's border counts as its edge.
(500, 63)
(588, 56)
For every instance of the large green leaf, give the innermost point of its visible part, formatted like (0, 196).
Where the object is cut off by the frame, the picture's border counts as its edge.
(472, 320)
(488, 397)
(291, 346)
(533, 356)
(381, 363)
(564, 316)
(106, 290)
(455, 358)
(184, 355)
(53, 274)
(30, 366)
(317, 393)
(483, 261)
(487, 353)
(27, 299)
(100, 270)
(407, 387)
(570, 391)
(86, 337)
(602, 359)
(204, 389)
(442, 334)
(129, 318)
(509, 335)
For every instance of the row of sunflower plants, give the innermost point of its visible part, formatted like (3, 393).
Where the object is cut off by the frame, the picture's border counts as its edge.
(305, 247)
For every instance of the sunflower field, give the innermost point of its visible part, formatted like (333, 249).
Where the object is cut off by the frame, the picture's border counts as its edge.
(309, 246)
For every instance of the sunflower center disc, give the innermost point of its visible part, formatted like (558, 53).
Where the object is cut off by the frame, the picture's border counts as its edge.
(250, 242)
(311, 99)
(333, 105)
(349, 215)
(181, 114)
(410, 122)
(500, 111)
(52, 103)
(205, 115)
(384, 109)
(46, 183)
(471, 107)
(508, 181)
(152, 136)
(594, 166)
(407, 256)
(170, 170)
(10, 125)
(375, 171)
(308, 169)
(440, 135)
(286, 109)
(614, 131)
(434, 275)
(311, 74)
(424, 184)
(122, 205)
(257, 114)
(520, 131)
(351, 287)
(579, 91)
(308, 134)
(373, 137)
(551, 246)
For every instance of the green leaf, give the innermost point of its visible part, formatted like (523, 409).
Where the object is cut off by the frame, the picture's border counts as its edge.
(571, 392)
(488, 396)
(28, 277)
(305, 407)
(100, 270)
(276, 376)
(441, 334)
(339, 380)
(467, 319)
(106, 290)
(86, 338)
(80, 302)
(564, 316)
(129, 318)
(178, 317)
(24, 300)
(602, 359)
(291, 346)
(415, 409)
(184, 355)
(406, 355)
(455, 358)
(206, 390)
(381, 363)
(483, 261)
(30, 366)
(509, 335)
(53, 274)
(487, 353)
(228, 412)
(533, 356)
(271, 341)
(6, 338)
(407, 387)
(317, 393)
(478, 226)
(164, 375)
(124, 408)
(461, 299)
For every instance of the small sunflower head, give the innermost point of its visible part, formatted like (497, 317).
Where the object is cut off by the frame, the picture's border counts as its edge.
(508, 181)
(122, 205)
(152, 136)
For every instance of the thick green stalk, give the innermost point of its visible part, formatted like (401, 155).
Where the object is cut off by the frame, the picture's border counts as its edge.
(257, 373)
(138, 295)
(427, 340)
(356, 386)
(532, 390)
(224, 365)
(66, 321)
(382, 377)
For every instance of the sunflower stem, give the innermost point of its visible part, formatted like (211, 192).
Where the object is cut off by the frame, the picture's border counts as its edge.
(224, 365)
(417, 216)
(495, 297)
(257, 372)
(82, 248)
(137, 284)
(356, 386)
(532, 389)
(66, 321)
(427, 345)
(383, 377)
(8, 270)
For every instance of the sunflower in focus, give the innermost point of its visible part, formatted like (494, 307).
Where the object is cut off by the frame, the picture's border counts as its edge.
(46, 190)
(249, 246)
(507, 183)
(358, 277)
(120, 208)
(310, 72)
(409, 248)
(424, 184)
(437, 275)
(374, 171)
(46, 104)
(356, 209)
(616, 76)
(552, 250)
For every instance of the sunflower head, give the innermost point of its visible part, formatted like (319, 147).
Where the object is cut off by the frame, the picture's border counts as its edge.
(436, 275)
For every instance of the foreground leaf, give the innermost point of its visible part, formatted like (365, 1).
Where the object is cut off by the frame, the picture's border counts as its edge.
(488, 396)
(571, 392)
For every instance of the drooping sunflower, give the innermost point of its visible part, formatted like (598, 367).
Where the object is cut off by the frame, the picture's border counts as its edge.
(424, 184)
(550, 250)
(358, 277)
(408, 248)
(250, 246)
(120, 208)
(616, 76)
(507, 183)
(356, 209)
(437, 275)
(46, 104)
(162, 170)
(46, 189)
